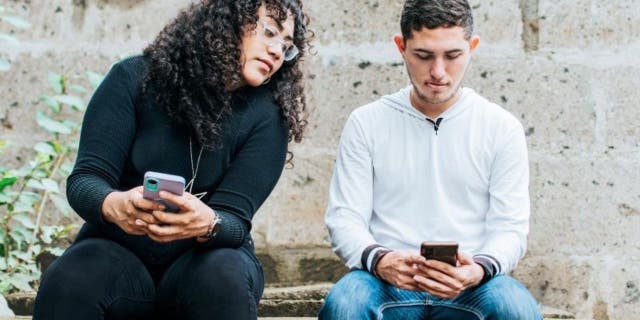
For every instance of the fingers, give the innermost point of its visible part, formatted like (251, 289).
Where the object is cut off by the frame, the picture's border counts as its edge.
(165, 233)
(443, 273)
(146, 217)
(185, 202)
(146, 204)
(415, 259)
(440, 266)
(464, 259)
(406, 282)
(435, 288)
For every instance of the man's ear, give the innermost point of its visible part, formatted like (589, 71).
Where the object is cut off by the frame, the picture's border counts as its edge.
(399, 41)
(473, 43)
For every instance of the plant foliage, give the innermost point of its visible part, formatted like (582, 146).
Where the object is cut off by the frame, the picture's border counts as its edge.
(30, 193)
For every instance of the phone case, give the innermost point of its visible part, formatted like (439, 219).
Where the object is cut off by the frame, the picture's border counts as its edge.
(154, 182)
(444, 251)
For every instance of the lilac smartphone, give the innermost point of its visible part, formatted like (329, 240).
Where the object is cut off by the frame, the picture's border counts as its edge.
(154, 182)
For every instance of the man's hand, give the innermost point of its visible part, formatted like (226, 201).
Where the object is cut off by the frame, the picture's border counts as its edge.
(400, 268)
(123, 208)
(443, 280)
(193, 220)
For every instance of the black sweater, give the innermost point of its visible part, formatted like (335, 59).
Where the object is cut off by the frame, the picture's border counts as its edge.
(124, 134)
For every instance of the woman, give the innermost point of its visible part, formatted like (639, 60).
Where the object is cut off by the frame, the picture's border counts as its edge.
(214, 99)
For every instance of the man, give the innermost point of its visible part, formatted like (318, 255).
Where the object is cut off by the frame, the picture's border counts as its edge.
(434, 161)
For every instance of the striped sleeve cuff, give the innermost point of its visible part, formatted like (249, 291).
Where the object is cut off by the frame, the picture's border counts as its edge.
(489, 264)
(371, 255)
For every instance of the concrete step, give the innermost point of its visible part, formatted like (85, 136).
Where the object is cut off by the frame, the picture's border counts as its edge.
(277, 303)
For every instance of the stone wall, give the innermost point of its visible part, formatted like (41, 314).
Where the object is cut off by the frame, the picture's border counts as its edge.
(567, 69)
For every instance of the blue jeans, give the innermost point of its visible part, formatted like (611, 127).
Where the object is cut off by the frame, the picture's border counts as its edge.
(360, 295)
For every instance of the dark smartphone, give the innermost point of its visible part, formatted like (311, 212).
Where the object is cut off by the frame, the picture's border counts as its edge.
(444, 251)
(154, 182)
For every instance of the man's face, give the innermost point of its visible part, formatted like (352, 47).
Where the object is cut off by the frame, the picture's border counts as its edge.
(436, 60)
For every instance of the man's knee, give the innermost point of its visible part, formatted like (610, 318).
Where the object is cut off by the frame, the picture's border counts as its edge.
(351, 298)
(506, 298)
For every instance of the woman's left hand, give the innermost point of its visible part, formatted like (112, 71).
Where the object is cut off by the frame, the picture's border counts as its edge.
(193, 220)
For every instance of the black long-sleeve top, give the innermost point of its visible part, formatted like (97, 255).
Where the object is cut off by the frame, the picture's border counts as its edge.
(124, 134)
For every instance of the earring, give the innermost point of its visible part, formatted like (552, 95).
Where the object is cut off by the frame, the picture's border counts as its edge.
(267, 81)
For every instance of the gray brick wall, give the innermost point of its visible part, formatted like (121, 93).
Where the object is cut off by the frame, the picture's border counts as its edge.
(567, 69)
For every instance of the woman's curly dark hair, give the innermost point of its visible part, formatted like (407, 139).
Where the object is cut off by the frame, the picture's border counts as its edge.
(198, 54)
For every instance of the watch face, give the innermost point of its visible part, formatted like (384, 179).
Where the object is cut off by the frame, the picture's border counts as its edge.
(217, 227)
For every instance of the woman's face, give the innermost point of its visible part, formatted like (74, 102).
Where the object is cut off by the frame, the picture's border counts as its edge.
(263, 50)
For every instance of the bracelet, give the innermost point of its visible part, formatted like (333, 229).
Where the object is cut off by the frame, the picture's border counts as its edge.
(212, 230)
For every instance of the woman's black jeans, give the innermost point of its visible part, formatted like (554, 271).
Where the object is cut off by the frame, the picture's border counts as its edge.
(99, 279)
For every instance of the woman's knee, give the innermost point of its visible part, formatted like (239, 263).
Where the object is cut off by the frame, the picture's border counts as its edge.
(91, 275)
(224, 282)
(90, 262)
(221, 272)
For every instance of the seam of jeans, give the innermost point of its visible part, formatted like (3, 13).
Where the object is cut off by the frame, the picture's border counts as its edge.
(251, 301)
(406, 303)
(462, 307)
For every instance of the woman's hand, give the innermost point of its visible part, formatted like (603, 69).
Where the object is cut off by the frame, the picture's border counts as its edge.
(193, 220)
(124, 208)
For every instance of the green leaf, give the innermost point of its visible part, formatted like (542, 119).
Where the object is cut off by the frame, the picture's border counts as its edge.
(22, 256)
(22, 208)
(70, 124)
(61, 204)
(73, 101)
(24, 171)
(21, 282)
(12, 41)
(4, 65)
(5, 286)
(94, 78)
(16, 22)
(23, 234)
(50, 185)
(29, 197)
(50, 124)
(56, 82)
(45, 148)
(17, 237)
(32, 183)
(4, 198)
(66, 168)
(56, 251)
(25, 221)
(51, 102)
(7, 181)
(47, 234)
(78, 88)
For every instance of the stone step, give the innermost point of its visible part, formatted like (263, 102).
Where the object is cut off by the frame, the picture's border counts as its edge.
(277, 303)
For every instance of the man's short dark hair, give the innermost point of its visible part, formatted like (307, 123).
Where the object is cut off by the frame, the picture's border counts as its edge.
(417, 14)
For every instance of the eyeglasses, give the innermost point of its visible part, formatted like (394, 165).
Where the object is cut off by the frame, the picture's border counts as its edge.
(271, 37)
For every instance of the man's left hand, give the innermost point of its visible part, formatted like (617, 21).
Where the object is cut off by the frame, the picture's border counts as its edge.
(446, 281)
